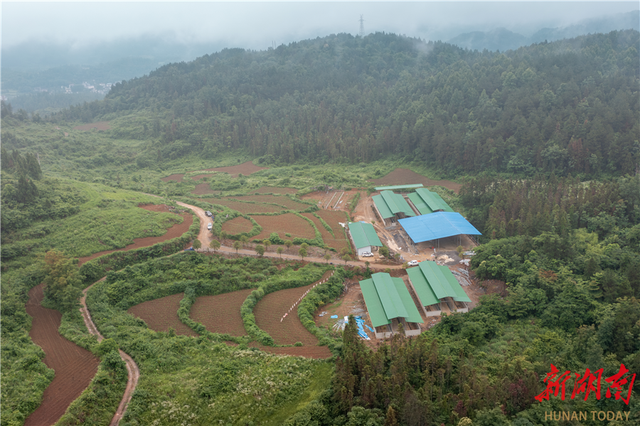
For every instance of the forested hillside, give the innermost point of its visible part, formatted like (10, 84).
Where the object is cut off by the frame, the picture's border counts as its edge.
(568, 107)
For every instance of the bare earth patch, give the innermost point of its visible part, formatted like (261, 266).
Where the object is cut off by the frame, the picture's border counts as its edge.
(408, 177)
(283, 224)
(102, 125)
(237, 225)
(162, 314)
(203, 189)
(244, 168)
(176, 177)
(221, 313)
(198, 177)
(75, 367)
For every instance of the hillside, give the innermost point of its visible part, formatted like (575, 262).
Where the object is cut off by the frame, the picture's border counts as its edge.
(564, 107)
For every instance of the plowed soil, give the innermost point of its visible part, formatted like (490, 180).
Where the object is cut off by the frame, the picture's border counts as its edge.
(177, 178)
(75, 367)
(245, 208)
(221, 313)
(175, 231)
(333, 219)
(408, 177)
(203, 189)
(336, 243)
(275, 190)
(244, 168)
(282, 224)
(102, 125)
(270, 309)
(237, 225)
(162, 314)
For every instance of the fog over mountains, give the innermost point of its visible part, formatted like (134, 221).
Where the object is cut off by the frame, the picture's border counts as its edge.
(35, 68)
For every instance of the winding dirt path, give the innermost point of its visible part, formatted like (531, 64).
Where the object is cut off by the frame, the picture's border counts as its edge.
(132, 367)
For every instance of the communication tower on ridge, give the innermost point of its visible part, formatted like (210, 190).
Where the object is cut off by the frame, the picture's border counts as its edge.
(361, 25)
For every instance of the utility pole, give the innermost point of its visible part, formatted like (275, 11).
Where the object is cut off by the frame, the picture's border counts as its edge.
(361, 25)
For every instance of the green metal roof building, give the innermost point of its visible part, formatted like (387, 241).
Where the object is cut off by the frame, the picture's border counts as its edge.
(388, 299)
(434, 284)
(391, 206)
(364, 237)
(399, 187)
(427, 202)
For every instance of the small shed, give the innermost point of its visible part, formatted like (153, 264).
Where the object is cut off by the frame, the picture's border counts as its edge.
(437, 287)
(364, 237)
(390, 207)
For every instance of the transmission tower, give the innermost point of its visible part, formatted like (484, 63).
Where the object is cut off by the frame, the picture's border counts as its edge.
(361, 25)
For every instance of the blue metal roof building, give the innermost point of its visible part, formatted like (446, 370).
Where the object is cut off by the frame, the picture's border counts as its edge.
(434, 226)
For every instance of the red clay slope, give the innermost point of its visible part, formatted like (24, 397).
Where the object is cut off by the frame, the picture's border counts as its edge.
(75, 367)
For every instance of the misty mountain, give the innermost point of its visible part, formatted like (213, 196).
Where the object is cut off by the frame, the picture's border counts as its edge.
(502, 39)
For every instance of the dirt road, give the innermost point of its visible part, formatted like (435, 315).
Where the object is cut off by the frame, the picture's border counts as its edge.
(132, 367)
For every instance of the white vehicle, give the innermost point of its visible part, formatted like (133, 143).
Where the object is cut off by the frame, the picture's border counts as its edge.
(367, 254)
(210, 226)
(412, 263)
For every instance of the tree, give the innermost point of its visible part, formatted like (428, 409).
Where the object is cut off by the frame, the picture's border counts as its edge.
(197, 244)
(327, 256)
(279, 250)
(244, 239)
(62, 281)
(260, 250)
(214, 244)
(288, 243)
(384, 251)
(302, 252)
(346, 258)
(266, 244)
(237, 245)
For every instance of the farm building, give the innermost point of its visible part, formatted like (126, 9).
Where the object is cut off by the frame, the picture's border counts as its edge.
(390, 304)
(399, 187)
(434, 226)
(436, 286)
(390, 207)
(364, 237)
(424, 202)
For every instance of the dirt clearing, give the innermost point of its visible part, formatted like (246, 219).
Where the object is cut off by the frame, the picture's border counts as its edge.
(244, 169)
(221, 313)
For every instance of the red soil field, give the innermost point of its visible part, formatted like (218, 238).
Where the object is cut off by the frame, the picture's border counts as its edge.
(160, 314)
(328, 239)
(75, 367)
(221, 313)
(175, 231)
(203, 189)
(245, 208)
(275, 190)
(198, 177)
(284, 223)
(237, 225)
(332, 217)
(176, 177)
(244, 168)
(102, 125)
(270, 309)
(408, 177)
(278, 199)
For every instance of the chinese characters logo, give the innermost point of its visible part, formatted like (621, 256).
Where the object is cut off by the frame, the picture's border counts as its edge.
(589, 382)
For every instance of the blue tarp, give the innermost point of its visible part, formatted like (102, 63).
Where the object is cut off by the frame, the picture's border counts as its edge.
(437, 225)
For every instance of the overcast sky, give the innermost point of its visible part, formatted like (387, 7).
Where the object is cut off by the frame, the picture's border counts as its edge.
(257, 25)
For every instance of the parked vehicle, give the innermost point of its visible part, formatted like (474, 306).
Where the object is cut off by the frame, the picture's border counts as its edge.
(412, 263)
(210, 226)
(367, 254)
(208, 213)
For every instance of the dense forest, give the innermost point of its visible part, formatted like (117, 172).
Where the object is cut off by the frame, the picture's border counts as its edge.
(567, 107)
(545, 141)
